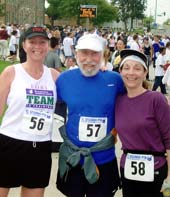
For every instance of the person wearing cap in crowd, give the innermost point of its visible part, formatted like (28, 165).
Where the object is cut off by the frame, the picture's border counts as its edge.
(142, 122)
(29, 91)
(87, 160)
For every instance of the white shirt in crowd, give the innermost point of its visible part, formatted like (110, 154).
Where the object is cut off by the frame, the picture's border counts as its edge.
(135, 46)
(166, 78)
(108, 65)
(12, 43)
(161, 60)
(67, 44)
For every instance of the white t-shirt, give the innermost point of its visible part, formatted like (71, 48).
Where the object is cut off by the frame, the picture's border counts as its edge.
(135, 46)
(161, 60)
(166, 78)
(167, 55)
(12, 43)
(108, 65)
(67, 43)
(73, 67)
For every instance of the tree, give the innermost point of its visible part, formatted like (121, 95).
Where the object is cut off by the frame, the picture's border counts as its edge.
(137, 10)
(105, 11)
(130, 9)
(71, 9)
(147, 21)
(167, 22)
(53, 11)
(2, 9)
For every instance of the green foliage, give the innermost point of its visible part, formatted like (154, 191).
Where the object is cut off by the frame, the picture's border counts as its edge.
(71, 9)
(147, 21)
(2, 9)
(3, 64)
(105, 12)
(53, 11)
(167, 22)
(133, 9)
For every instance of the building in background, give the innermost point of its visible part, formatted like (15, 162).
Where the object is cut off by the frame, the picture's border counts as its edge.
(23, 11)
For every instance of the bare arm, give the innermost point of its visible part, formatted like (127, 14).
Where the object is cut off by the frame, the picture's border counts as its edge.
(166, 183)
(168, 162)
(151, 51)
(6, 79)
(54, 73)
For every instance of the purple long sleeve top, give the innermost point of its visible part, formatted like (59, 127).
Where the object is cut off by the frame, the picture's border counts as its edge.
(143, 123)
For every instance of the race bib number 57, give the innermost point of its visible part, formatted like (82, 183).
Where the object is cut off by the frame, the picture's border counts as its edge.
(92, 129)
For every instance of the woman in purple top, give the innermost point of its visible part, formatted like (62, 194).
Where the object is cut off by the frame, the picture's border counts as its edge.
(143, 124)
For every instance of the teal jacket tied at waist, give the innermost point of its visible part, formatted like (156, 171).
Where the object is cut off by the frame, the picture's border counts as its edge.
(70, 156)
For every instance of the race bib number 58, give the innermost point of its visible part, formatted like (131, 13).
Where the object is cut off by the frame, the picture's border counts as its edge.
(139, 167)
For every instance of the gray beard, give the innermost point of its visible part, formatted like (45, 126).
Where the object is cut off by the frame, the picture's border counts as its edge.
(89, 72)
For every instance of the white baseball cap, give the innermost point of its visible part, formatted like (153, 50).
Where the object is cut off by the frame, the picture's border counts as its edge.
(90, 41)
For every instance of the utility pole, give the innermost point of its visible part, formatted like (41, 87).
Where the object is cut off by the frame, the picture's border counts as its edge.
(155, 10)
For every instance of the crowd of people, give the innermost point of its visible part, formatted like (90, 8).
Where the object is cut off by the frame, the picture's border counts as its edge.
(104, 92)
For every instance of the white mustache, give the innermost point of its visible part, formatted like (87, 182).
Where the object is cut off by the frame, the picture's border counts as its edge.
(89, 63)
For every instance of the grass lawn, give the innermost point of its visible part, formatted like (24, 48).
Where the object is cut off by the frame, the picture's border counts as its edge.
(3, 64)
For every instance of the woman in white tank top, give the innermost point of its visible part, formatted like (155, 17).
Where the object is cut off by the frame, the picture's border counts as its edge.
(29, 92)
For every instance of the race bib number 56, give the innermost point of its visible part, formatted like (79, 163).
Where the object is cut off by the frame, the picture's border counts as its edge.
(37, 125)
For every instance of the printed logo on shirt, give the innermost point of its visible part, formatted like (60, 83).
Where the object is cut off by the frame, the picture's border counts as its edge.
(38, 116)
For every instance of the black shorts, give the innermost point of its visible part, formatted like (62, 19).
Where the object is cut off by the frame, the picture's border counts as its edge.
(133, 188)
(24, 163)
(76, 184)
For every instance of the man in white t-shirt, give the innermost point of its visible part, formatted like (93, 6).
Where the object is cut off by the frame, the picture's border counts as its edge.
(68, 45)
(12, 46)
(159, 71)
(135, 44)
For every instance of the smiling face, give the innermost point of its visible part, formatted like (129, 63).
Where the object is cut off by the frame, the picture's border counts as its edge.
(36, 48)
(120, 45)
(133, 74)
(89, 61)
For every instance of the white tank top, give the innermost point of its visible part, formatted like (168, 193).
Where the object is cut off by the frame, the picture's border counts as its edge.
(31, 104)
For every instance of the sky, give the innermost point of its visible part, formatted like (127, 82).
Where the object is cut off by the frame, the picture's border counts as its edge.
(162, 6)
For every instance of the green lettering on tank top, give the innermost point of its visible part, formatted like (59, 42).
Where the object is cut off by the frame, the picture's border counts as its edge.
(46, 100)
(29, 98)
(50, 100)
(37, 100)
